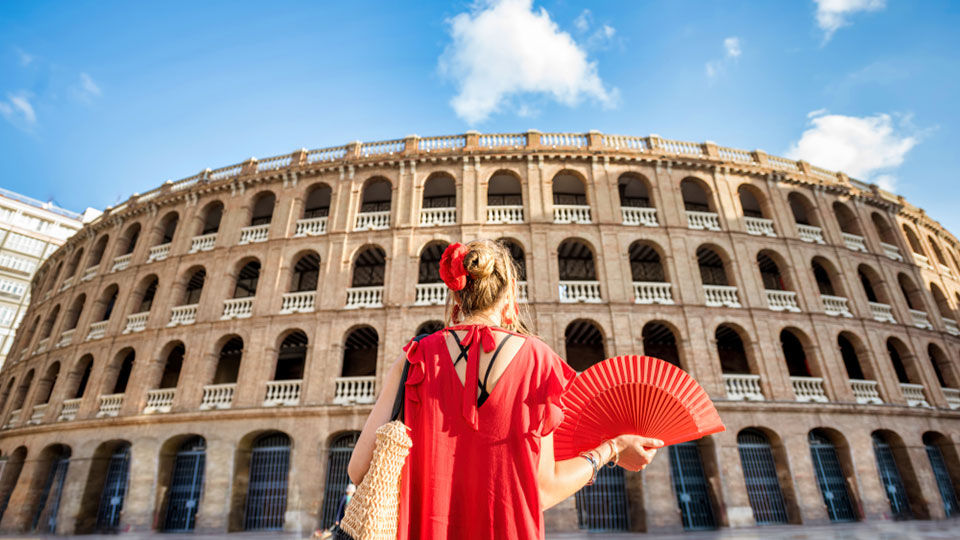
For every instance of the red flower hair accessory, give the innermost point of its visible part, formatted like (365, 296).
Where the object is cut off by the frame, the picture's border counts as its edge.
(452, 271)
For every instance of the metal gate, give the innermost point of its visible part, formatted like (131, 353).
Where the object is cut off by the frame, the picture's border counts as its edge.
(267, 492)
(114, 490)
(337, 479)
(890, 476)
(830, 478)
(945, 485)
(186, 485)
(690, 485)
(45, 519)
(760, 477)
(603, 506)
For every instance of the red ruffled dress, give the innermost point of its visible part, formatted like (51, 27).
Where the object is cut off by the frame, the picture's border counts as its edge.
(472, 471)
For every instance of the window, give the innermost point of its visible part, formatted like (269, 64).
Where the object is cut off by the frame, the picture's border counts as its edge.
(25, 244)
(12, 288)
(17, 264)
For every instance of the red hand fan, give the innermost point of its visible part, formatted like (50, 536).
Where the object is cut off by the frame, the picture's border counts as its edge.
(639, 395)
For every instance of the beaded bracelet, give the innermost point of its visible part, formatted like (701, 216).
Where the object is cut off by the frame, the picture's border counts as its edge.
(594, 464)
(616, 454)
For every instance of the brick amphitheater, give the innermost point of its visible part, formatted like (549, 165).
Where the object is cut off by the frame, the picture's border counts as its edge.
(202, 356)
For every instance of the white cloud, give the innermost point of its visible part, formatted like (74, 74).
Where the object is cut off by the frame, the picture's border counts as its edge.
(731, 51)
(582, 22)
(732, 46)
(25, 58)
(17, 110)
(866, 148)
(88, 86)
(832, 14)
(504, 49)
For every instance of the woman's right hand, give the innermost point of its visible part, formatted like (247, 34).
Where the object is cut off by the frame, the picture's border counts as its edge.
(636, 452)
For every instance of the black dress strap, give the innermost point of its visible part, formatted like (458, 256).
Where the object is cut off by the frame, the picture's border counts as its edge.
(484, 393)
(463, 350)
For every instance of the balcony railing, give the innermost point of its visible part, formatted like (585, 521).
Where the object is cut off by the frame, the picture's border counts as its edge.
(438, 217)
(431, 294)
(709, 221)
(254, 234)
(522, 291)
(721, 295)
(580, 291)
(39, 411)
(298, 302)
(836, 306)
(42, 345)
(809, 233)
(311, 227)
(160, 400)
(204, 242)
(639, 216)
(944, 269)
(183, 315)
(237, 308)
(90, 273)
(891, 251)
(809, 389)
(364, 297)
(373, 221)
(782, 300)
(743, 386)
(952, 395)
(136, 322)
(854, 242)
(505, 214)
(159, 253)
(865, 391)
(110, 405)
(951, 326)
(68, 410)
(66, 283)
(121, 262)
(652, 292)
(217, 396)
(13, 419)
(350, 390)
(914, 395)
(759, 226)
(882, 312)
(571, 213)
(920, 319)
(922, 260)
(280, 393)
(97, 330)
(66, 337)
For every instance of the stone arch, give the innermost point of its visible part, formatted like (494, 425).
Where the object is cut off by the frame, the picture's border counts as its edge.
(943, 306)
(913, 240)
(889, 447)
(261, 208)
(181, 471)
(49, 322)
(517, 253)
(144, 293)
(763, 458)
(361, 346)
(10, 475)
(238, 518)
(169, 365)
(569, 188)
(770, 263)
(20, 397)
(855, 357)
(942, 366)
(292, 353)
(305, 274)
(872, 284)
(369, 266)
(128, 241)
(72, 316)
(753, 202)
(660, 341)
(99, 248)
(804, 212)
(646, 262)
(828, 279)
(903, 361)
(42, 500)
(911, 293)
(440, 190)
(634, 190)
(796, 348)
(208, 219)
(429, 267)
(697, 195)
(117, 375)
(713, 262)
(47, 384)
(166, 228)
(229, 356)
(732, 344)
(839, 488)
(75, 263)
(945, 463)
(576, 260)
(79, 377)
(846, 219)
(105, 488)
(585, 344)
(376, 195)
(883, 228)
(246, 277)
(317, 201)
(191, 285)
(937, 252)
(429, 327)
(105, 305)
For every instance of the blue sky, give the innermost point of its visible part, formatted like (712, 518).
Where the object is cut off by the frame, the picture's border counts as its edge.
(99, 100)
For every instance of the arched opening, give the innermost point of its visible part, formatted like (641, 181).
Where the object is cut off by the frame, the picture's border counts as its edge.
(96, 254)
(73, 314)
(247, 279)
(802, 209)
(943, 307)
(770, 275)
(184, 484)
(368, 268)
(832, 475)
(210, 218)
(291, 357)
(7, 392)
(584, 344)
(731, 351)
(660, 342)
(938, 253)
(578, 274)
(636, 206)
(79, 378)
(360, 352)
(946, 470)
(884, 230)
(107, 302)
(49, 322)
(430, 288)
(128, 242)
(261, 212)
(106, 488)
(908, 373)
(650, 284)
(194, 287)
(794, 354)
(851, 360)
(266, 503)
(911, 293)
(22, 390)
(168, 227)
(47, 384)
(124, 367)
(698, 203)
(43, 503)
(520, 261)
(762, 477)
(375, 205)
(439, 200)
(823, 277)
(846, 219)
(942, 367)
(317, 203)
(693, 489)
(570, 204)
(897, 351)
(170, 375)
(74, 263)
(756, 219)
(306, 273)
(504, 198)
(146, 291)
(9, 475)
(429, 327)
(914, 242)
(337, 479)
(603, 506)
(711, 266)
(228, 362)
(896, 475)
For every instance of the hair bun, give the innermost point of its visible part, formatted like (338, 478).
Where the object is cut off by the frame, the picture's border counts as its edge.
(479, 262)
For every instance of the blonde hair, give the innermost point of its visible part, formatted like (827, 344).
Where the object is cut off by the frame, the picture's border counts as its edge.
(492, 275)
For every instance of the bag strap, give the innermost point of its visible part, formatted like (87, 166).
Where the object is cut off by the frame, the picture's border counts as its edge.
(397, 413)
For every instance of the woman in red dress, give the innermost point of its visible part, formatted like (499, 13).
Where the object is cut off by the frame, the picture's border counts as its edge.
(482, 398)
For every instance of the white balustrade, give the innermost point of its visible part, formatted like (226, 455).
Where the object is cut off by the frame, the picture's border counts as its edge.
(944, 269)
(522, 291)
(733, 154)
(204, 242)
(160, 400)
(373, 221)
(571, 213)
(39, 411)
(382, 148)
(121, 262)
(298, 302)
(13, 419)
(274, 163)
(759, 226)
(351, 390)
(652, 292)
(743, 386)
(891, 251)
(217, 396)
(809, 389)
(110, 405)
(501, 140)
(920, 319)
(505, 214)
(364, 297)
(854, 242)
(580, 291)
(42, 345)
(721, 295)
(836, 306)
(281, 393)
(782, 300)
(809, 233)
(66, 337)
(438, 217)
(311, 227)
(923, 261)
(159, 253)
(68, 410)
(951, 326)
(952, 395)
(183, 315)
(448, 142)
(136, 322)
(914, 394)
(254, 234)
(66, 283)
(677, 147)
(90, 273)
(97, 330)
(701, 221)
(865, 391)
(625, 142)
(882, 312)
(431, 294)
(555, 140)
(633, 215)
(237, 308)
(326, 154)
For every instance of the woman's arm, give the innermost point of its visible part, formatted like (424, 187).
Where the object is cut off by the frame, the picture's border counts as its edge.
(380, 415)
(558, 480)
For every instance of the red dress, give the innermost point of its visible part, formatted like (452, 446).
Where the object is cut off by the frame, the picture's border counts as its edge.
(472, 471)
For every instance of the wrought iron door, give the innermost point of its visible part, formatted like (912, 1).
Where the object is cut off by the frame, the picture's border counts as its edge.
(944, 484)
(186, 485)
(114, 490)
(45, 519)
(690, 485)
(337, 478)
(760, 476)
(890, 477)
(603, 506)
(830, 478)
(267, 492)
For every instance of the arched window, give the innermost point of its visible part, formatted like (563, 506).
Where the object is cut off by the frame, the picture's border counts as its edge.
(805, 216)
(115, 483)
(915, 244)
(210, 219)
(887, 236)
(185, 485)
(794, 354)
(876, 294)
(194, 287)
(96, 254)
(943, 459)
(938, 254)
(262, 210)
(760, 473)
(266, 504)
(46, 384)
(439, 201)
(896, 350)
(430, 288)
(51, 471)
(755, 219)
(228, 362)
(148, 290)
(10, 475)
(584, 344)
(850, 359)
(699, 205)
(129, 240)
(636, 207)
(124, 367)
(360, 352)
(831, 475)
(74, 263)
(943, 307)
(908, 373)
(717, 289)
(504, 198)
(660, 342)
(73, 314)
(822, 277)
(368, 268)
(570, 204)
(860, 374)
(846, 219)
(518, 256)
(578, 274)
(650, 284)
(80, 377)
(735, 365)
(172, 366)
(306, 273)
(317, 204)
(942, 367)
(49, 323)
(375, 205)
(168, 227)
(888, 465)
(247, 278)
(691, 486)
(429, 327)
(291, 357)
(912, 295)
(21, 395)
